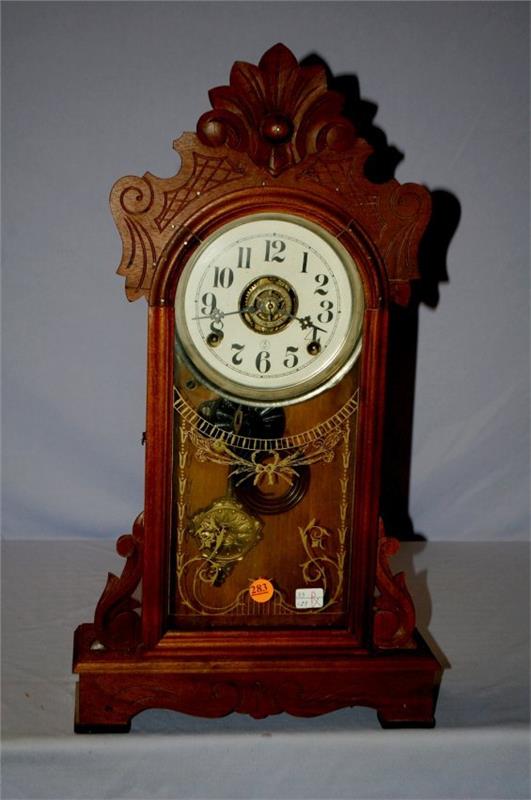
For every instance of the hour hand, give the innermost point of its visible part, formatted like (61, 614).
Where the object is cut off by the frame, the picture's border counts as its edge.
(314, 345)
(306, 322)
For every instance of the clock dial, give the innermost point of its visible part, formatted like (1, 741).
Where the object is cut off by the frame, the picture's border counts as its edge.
(269, 310)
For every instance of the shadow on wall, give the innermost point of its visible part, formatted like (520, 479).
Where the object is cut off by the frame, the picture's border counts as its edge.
(403, 323)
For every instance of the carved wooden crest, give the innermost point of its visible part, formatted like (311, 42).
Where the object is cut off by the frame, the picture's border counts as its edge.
(277, 112)
(275, 125)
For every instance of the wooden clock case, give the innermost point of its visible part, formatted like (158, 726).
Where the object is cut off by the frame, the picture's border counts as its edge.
(275, 141)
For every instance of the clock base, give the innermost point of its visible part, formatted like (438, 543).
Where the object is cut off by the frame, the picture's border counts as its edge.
(401, 685)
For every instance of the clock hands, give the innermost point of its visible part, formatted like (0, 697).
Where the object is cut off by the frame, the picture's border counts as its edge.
(306, 322)
(217, 316)
(314, 346)
(273, 308)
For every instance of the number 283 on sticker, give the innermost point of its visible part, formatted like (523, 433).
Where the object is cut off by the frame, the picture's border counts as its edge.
(261, 590)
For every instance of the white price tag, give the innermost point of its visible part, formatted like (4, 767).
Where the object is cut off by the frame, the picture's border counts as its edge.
(309, 598)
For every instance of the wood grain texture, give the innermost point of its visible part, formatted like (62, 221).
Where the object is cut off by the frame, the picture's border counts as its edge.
(394, 612)
(275, 141)
(400, 686)
(116, 623)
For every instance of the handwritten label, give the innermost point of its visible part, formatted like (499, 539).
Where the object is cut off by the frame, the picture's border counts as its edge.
(261, 590)
(309, 598)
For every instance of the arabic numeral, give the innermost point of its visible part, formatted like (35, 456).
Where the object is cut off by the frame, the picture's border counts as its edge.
(291, 359)
(326, 315)
(263, 364)
(321, 280)
(209, 303)
(274, 250)
(237, 355)
(304, 262)
(223, 277)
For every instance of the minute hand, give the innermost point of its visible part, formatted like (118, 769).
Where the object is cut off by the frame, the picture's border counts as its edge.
(217, 314)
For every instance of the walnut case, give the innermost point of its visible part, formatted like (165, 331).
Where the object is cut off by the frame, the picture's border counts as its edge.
(163, 635)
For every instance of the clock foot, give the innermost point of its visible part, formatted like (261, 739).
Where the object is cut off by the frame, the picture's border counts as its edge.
(405, 719)
(98, 713)
(91, 728)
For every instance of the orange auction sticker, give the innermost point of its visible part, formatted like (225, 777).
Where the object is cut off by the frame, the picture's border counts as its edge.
(261, 590)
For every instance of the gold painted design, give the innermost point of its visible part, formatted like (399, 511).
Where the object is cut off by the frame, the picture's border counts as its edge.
(325, 550)
(326, 562)
(210, 430)
(182, 481)
(344, 498)
(322, 566)
(266, 465)
(224, 533)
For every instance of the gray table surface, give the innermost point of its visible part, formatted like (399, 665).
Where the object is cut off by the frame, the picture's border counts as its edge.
(473, 608)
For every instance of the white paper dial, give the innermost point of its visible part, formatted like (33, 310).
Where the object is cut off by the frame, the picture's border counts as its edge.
(269, 310)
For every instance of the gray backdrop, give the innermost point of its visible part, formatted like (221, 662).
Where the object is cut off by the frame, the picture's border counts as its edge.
(94, 91)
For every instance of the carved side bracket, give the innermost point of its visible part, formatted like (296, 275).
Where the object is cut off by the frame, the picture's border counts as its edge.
(276, 126)
(394, 612)
(116, 621)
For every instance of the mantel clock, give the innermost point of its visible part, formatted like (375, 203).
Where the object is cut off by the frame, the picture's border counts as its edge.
(256, 578)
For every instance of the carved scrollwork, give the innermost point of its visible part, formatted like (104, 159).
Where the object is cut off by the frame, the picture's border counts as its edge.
(277, 119)
(394, 612)
(394, 214)
(402, 207)
(136, 196)
(278, 111)
(116, 621)
(134, 203)
(257, 698)
(208, 173)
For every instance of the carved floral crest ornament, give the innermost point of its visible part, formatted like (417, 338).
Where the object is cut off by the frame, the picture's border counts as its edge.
(276, 119)
(277, 112)
(257, 577)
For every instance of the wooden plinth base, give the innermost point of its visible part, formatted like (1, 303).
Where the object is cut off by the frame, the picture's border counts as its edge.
(400, 685)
